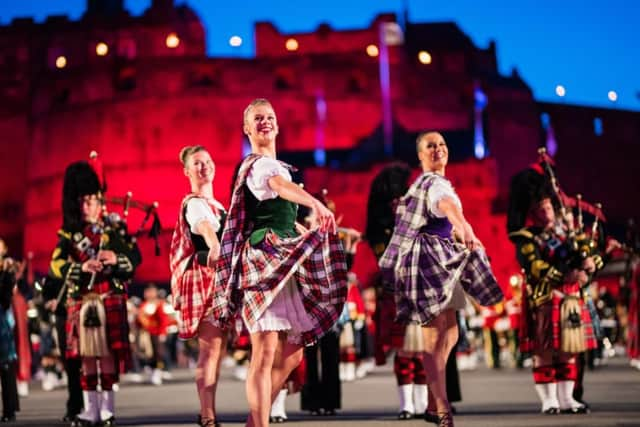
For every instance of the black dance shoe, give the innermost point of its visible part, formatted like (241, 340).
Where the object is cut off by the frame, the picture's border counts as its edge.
(430, 417)
(207, 422)
(277, 419)
(445, 419)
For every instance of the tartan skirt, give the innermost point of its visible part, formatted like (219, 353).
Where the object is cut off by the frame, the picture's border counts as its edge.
(318, 270)
(427, 278)
(542, 331)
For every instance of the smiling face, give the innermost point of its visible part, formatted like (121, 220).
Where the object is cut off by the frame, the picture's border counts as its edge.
(433, 152)
(199, 168)
(261, 125)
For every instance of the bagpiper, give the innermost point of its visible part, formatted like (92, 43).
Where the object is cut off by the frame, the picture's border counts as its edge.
(558, 262)
(96, 257)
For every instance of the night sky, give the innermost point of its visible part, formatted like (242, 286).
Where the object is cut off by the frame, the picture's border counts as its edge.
(591, 47)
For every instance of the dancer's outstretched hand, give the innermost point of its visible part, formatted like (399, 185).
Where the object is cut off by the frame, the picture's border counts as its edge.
(469, 238)
(325, 218)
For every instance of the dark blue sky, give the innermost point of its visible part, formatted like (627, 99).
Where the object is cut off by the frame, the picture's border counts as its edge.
(590, 47)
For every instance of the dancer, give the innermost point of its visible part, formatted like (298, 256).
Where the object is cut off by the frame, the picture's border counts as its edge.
(388, 186)
(195, 247)
(430, 272)
(290, 282)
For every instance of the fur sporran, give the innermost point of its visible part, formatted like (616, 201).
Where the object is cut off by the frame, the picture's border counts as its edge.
(413, 339)
(573, 338)
(93, 331)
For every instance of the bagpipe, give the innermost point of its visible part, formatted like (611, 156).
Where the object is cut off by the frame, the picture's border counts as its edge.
(127, 202)
(581, 241)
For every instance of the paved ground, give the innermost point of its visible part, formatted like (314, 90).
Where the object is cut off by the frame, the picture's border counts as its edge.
(491, 398)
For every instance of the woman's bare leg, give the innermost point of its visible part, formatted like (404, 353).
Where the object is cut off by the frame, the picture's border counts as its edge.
(211, 342)
(288, 357)
(440, 336)
(264, 346)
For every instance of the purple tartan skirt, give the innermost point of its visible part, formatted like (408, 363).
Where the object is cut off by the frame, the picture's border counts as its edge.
(429, 274)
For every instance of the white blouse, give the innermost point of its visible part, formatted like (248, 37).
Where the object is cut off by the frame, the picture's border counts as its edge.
(198, 210)
(441, 188)
(258, 178)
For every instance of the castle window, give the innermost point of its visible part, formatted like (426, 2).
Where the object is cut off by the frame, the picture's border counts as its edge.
(357, 83)
(127, 49)
(126, 79)
(285, 79)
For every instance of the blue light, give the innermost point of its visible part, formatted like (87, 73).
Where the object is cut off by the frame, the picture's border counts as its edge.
(480, 98)
(597, 126)
(546, 120)
(320, 157)
(479, 149)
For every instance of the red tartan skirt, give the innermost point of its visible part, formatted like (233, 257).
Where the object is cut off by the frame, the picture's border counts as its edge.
(115, 307)
(541, 327)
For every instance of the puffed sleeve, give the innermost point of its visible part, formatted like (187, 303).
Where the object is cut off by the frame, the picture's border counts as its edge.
(258, 179)
(440, 189)
(198, 210)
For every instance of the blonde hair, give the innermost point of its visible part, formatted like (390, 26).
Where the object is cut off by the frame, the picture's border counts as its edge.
(424, 135)
(187, 151)
(254, 103)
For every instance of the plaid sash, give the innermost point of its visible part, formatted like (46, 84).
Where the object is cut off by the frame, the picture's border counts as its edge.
(191, 283)
(250, 277)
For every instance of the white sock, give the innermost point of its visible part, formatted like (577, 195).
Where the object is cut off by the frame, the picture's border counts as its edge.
(420, 398)
(405, 393)
(278, 408)
(565, 395)
(156, 377)
(548, 394)
(91, 410)
(107, 405)
(349, 371)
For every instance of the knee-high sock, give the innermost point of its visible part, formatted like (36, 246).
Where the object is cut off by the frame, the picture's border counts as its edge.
(566, 374)
(91, 410)
(420, 393)
(278, 406)
(405, 394)
(107, 381)
(89, 382)
(403, 367)
(546, 386)
(107, 405)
